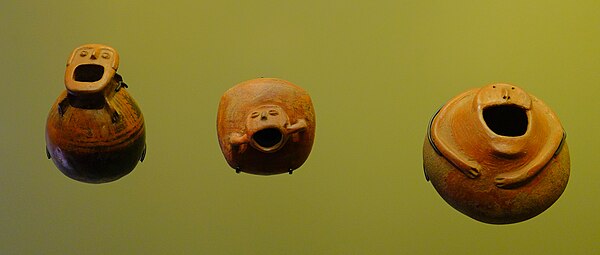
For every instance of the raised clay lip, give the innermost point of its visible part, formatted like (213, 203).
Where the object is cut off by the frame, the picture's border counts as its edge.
(273, 148)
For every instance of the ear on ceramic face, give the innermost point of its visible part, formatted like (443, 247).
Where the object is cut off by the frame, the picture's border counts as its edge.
(498, 94)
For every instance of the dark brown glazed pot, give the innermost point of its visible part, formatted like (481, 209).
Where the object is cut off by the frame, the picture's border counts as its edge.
(266, 126)
(497, 154)
(95, 131)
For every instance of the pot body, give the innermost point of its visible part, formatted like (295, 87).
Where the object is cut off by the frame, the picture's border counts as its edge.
(497, 154)
(95, 131)
(266, 126)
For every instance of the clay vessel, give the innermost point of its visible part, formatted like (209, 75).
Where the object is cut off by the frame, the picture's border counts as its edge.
(95, 131)
(266, 126)
(497, 154)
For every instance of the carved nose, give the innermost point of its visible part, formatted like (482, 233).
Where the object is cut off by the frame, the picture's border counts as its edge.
(94, 54)
(263, 115)
(506, 95)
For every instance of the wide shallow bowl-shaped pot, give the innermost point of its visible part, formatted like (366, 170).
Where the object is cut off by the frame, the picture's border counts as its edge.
(497, 154)
(266, 126)
(95, 131)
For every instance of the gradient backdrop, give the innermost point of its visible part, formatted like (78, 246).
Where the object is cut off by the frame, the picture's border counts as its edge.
(376, 71)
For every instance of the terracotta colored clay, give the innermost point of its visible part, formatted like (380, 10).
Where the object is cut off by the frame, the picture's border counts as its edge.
(266, 126)
(497, 154)
(95, 131)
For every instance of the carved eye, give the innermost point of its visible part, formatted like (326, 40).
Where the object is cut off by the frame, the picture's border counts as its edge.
(254, 115)
(105, 55)
(83, 53)
(273, 112)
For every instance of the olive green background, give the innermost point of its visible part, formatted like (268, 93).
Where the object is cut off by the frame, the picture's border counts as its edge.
(376, 71)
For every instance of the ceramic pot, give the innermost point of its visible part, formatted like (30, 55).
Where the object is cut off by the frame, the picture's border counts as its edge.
(497, 154)
(266, 126)
(95, 131)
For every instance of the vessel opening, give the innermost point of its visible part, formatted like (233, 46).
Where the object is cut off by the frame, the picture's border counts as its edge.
(506, 120)
(88, 73)
(268, 137)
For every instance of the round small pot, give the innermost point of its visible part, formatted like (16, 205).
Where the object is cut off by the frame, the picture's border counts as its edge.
(95, 130)
(497, 154)
(266, 126)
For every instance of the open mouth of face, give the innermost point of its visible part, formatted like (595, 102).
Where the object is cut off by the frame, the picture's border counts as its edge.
(88, 73)
(268, 139)
(506, 120)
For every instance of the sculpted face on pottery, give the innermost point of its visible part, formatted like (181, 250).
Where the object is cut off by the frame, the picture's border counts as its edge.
(90, 68)
(506, 144)
(95, 131)
(265, 126)
(504, 109)
(267, 130)
(502, 94)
